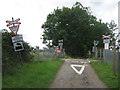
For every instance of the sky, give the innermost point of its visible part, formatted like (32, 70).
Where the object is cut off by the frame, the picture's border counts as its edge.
(33, 13)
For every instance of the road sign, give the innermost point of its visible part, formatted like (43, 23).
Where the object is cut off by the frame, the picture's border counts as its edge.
(96, 43)
(13, 22)
(106, 41)
(13, 25)
(106, 36)
(60, 44)
(18, 46)
(60, 41)
(14, 29)
(17, 38)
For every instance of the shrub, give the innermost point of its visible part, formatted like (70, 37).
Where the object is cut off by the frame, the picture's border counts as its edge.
(10, 58)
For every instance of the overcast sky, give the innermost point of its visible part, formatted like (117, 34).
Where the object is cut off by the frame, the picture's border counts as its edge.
(33, 14)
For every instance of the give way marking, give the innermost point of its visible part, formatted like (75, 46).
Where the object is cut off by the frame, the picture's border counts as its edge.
(78, 71)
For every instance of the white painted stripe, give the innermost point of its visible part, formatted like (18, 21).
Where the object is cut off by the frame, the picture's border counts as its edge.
(81, 70)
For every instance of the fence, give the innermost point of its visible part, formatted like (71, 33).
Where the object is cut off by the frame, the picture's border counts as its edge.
(108, 57)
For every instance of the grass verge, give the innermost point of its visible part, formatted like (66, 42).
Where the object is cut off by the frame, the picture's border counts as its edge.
(104, 71)
(93, 58)
(37, 74)
(69, 57)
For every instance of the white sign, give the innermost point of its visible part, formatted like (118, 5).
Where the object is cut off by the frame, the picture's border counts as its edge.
(60, 40)
(106, 41)
(96, 43)
(18, 46)
(60, 44)
(106, 46)
(17, 38)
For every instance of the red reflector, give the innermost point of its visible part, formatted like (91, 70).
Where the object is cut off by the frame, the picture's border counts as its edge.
(58, 51)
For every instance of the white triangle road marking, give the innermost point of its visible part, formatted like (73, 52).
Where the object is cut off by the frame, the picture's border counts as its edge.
(81, 70)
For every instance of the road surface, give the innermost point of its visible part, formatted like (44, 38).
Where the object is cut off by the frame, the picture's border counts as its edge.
(67, 77)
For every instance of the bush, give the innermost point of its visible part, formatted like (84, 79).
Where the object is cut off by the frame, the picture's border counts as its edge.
(10, 58)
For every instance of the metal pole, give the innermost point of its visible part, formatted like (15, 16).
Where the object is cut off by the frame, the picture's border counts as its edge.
(13, 21)
(114, 60)
(96, 52)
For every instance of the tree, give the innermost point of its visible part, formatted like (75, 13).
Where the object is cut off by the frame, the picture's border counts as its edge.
(112, 27)
(73, 25)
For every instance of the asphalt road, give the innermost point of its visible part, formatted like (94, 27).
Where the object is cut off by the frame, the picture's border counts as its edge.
(67, 77)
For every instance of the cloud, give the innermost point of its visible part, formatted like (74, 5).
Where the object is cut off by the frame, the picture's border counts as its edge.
(33, 14)
(105, 9)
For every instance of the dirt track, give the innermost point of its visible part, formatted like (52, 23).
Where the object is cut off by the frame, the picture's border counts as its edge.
(68, 78)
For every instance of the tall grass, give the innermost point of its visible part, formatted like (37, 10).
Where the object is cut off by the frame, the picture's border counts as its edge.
(104, 71)
(36, 74)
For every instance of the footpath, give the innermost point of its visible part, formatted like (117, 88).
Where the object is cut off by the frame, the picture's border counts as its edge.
(77, 73)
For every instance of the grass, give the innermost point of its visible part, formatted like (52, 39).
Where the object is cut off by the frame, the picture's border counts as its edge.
(69, 57)
(44, 56)
(104, 71)
(66, 57)
(37, 74)
(94, 58)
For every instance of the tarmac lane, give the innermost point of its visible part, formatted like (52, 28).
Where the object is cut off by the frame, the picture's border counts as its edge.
(67, 77)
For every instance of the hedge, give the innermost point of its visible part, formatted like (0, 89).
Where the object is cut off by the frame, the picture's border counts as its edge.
(10, 58)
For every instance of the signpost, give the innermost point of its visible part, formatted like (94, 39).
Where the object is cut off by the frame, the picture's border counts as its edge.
(17, 40)
(18, 46)
(106, 41)
(60, 42)
(13, 25)
(60, 45)
(95, 48)
(18, 43)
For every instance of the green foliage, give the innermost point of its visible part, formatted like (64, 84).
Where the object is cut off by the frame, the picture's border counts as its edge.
(10, 58)
(113, 27)
(37, 74)
(104, 71)
(26, 56)
(93, 58)
(73, 25)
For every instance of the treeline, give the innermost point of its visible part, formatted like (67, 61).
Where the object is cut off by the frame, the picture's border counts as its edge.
(77, 27)
(10, 59)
